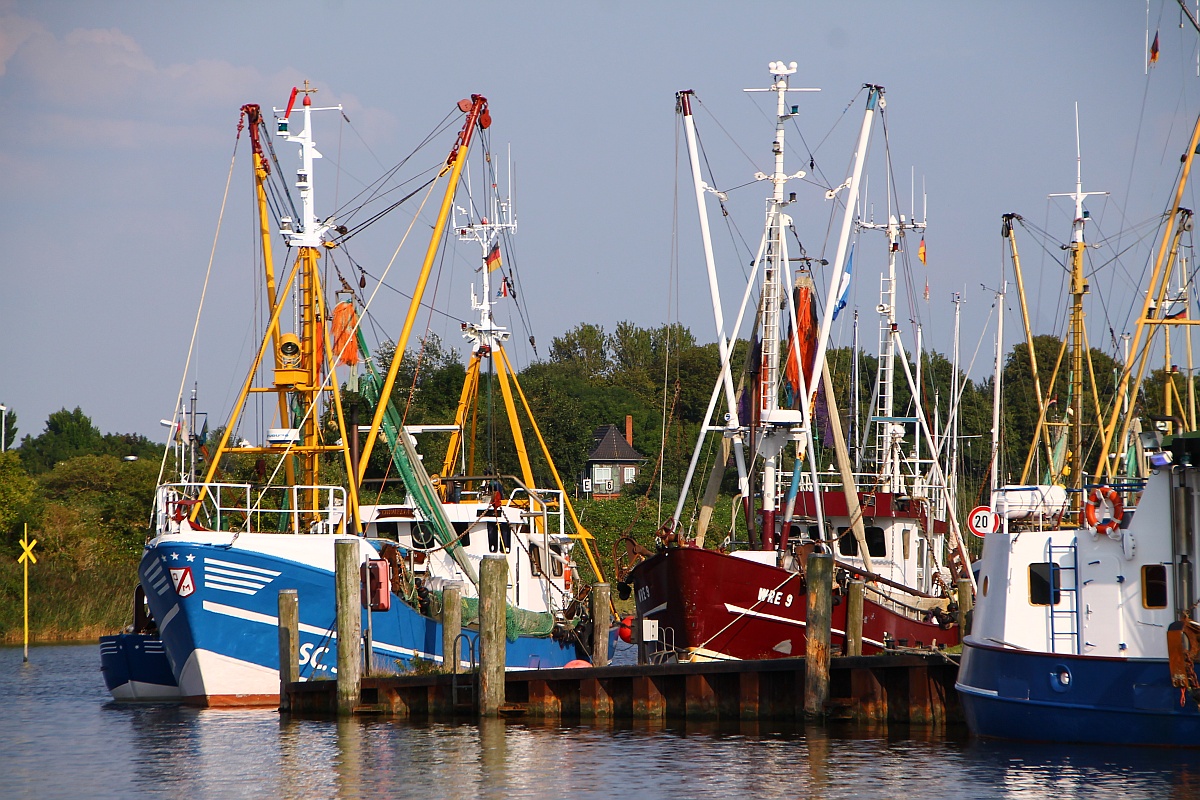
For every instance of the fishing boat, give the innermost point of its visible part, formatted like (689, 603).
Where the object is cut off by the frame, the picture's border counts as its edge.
(1084, 628)
(889, 524)
(134, 663)
(221, 550)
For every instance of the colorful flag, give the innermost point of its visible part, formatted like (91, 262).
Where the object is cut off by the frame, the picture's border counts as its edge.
(1180, 314)
(844, 286)
(1154, 50)
(927, 290)
(493, 259)
(921, 250)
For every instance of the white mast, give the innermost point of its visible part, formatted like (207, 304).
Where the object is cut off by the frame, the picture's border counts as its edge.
(874, 99)
(996, 387)
(889, 432)
(498, 219)
(777, 425)
(732, 423)
(955, 401)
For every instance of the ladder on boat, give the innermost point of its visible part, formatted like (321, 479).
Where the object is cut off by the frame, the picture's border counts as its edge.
(1064, 607)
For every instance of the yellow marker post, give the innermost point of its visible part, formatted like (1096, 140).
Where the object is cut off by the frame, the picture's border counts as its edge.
(27, 557)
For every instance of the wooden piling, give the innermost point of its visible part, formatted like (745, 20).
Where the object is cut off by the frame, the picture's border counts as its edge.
(819, 577)
(289, 643)
(451, 626)
(349, 625)
(601, 617)
(493, 583)
(966, 602)
(854, 618)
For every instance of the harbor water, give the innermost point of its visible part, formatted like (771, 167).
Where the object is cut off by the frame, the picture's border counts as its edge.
(61, 736)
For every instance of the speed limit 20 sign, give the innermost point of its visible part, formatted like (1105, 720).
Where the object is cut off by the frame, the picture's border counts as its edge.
(983, 521)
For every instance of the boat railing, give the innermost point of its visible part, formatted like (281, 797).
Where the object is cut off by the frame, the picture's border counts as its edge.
(866, 483)
(244, 507)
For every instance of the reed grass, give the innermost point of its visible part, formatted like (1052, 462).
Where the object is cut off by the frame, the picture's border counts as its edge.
(65, 602)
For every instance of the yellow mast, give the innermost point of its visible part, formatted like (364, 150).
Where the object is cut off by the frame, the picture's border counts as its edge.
(1077, 336)
(1106, 465)
(298, 357)
(477, 114)
(1042, 433)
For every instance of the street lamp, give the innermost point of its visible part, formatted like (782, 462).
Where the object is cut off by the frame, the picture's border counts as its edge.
(3, 427)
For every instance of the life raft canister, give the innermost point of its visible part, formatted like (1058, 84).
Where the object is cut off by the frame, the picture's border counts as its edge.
(1095, 498)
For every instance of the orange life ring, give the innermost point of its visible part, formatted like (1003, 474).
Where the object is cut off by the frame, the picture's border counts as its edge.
(1097, 496)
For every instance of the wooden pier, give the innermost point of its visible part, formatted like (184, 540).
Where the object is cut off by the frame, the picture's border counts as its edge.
(908, 687)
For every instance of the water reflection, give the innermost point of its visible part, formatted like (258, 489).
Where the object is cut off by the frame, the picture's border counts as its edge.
(59, 737)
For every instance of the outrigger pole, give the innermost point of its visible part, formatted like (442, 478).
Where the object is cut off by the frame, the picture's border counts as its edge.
(477, 114)
(1105, 466)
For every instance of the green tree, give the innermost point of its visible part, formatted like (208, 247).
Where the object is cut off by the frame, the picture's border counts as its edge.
(67, 434)
(98, 507)
(10, 429)
(19, 498)
(584, 348)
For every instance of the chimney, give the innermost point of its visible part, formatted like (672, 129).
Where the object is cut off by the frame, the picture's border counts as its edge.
(629, 429)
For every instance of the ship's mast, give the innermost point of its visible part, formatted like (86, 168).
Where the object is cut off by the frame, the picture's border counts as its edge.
(298, 357)
(1077, 337)
(889, 433)
(777, 425)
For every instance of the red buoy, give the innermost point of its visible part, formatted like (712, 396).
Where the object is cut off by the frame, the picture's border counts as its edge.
(625, 630)
(577, 664)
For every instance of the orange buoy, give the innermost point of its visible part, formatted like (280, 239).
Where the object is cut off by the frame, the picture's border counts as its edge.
(578, 663)
(625, 630)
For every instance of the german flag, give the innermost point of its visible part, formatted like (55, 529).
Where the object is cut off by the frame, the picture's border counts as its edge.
(1154, 50)
(493, 259)
(921, 250)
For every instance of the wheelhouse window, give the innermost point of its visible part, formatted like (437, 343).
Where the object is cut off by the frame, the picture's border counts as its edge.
(387, 530)
(556, 562)
(1154, 586)
(535, 558)
(1045, 588)
(876, 542)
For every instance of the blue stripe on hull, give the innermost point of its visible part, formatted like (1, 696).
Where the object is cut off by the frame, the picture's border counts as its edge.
(1023, 695)
(243, 625)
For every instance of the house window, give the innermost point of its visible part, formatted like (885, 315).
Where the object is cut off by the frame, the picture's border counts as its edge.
(1044, 584)
(630, 472)
(601, 473)
(1154, 586)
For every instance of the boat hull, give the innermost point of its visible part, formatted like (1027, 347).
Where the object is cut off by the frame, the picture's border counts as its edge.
(136, 669)
(714, 606)
(1018, 694)
(216, 603)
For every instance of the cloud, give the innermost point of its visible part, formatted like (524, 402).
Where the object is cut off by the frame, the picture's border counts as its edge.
(97, 89)
(14, 32)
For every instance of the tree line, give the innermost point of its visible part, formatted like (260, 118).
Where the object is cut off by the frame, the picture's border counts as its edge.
(86, 495)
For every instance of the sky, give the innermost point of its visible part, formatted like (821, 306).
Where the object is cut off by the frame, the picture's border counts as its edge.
(118, 124)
